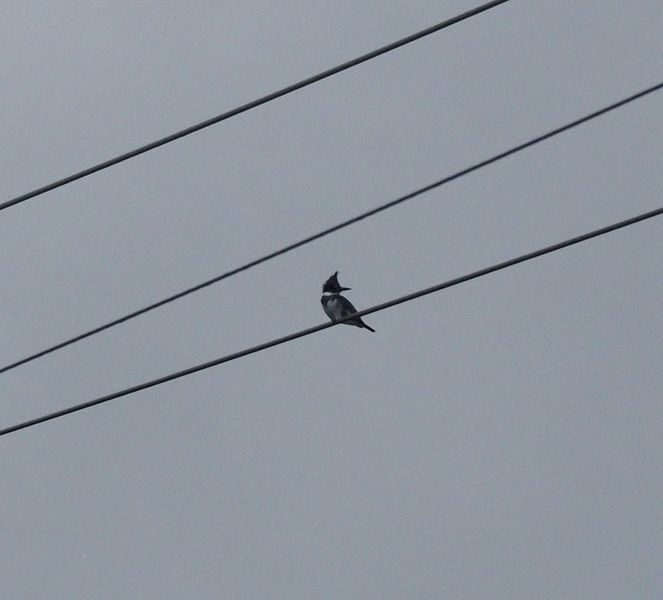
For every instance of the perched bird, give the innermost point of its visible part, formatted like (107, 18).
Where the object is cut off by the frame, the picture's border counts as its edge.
(337, 306)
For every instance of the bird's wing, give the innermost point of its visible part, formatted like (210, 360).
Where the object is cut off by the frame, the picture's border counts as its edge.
(348, 308)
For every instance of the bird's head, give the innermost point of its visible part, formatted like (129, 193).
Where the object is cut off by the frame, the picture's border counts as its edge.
(332, 286)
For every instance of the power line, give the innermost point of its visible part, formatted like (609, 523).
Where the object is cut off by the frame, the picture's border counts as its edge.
(333, 229)
(361, 313)
(254, 103)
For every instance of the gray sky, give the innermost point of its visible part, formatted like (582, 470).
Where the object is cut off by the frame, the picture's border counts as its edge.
(501, 439)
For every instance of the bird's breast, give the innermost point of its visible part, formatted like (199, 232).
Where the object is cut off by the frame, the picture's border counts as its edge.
(332, 307)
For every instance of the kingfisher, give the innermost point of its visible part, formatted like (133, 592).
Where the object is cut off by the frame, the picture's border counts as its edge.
(337, 306)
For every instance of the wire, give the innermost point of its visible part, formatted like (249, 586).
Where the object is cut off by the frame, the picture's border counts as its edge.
(333, 229)
(361, 313)
(254, 103)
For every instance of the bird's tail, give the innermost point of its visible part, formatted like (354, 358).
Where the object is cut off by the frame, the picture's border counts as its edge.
(368, 327)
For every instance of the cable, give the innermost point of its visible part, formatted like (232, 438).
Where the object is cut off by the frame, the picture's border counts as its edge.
(333, 229)
(361, 313)
(253, 104)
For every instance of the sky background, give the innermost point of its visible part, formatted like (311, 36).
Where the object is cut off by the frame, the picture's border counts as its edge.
(500, 439)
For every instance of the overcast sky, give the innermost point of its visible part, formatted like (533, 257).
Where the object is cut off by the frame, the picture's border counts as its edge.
(500, 439)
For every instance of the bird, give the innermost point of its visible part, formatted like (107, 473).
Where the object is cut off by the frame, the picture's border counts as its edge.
(337, 306)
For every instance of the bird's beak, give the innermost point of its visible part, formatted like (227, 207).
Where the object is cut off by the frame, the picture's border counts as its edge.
(344, 289)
